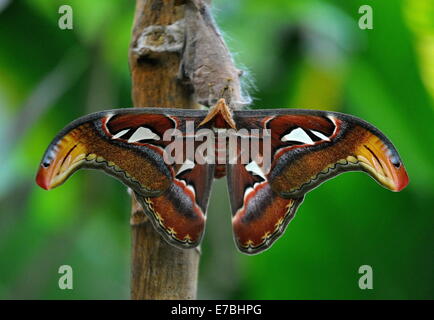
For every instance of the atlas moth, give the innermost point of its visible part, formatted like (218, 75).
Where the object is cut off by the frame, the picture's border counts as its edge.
(304, 148)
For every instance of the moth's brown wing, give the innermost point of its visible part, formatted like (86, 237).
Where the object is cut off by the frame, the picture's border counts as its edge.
(305, 148)
(259, 215)
(130, 145)
(309, 147)
(179, 214)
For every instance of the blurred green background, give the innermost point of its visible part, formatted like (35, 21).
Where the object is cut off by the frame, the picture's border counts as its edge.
(299, 53)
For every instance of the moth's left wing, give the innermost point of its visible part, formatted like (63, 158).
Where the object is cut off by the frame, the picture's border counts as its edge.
(131, 145)
(304, 149)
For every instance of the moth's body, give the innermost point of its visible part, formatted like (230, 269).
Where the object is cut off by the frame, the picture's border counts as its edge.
(306, 148)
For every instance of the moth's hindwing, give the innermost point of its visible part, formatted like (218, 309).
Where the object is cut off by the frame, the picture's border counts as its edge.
(306, 148)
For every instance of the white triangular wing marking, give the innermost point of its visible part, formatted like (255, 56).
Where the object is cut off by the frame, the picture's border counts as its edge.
(143, 134)
(120, 134)
(254, 168)
(187, 165)
(298, 135)
(320, 135)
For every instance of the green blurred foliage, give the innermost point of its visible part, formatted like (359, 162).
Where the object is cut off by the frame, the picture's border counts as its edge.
(298, 53)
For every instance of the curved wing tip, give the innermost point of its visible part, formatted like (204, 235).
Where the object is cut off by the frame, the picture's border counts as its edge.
(402, 181)
(42, 179)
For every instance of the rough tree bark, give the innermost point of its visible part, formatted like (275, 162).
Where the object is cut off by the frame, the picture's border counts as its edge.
(159, 270)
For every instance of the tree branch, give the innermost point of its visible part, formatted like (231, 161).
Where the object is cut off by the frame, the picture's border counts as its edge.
(177, 59)
(159, 270)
